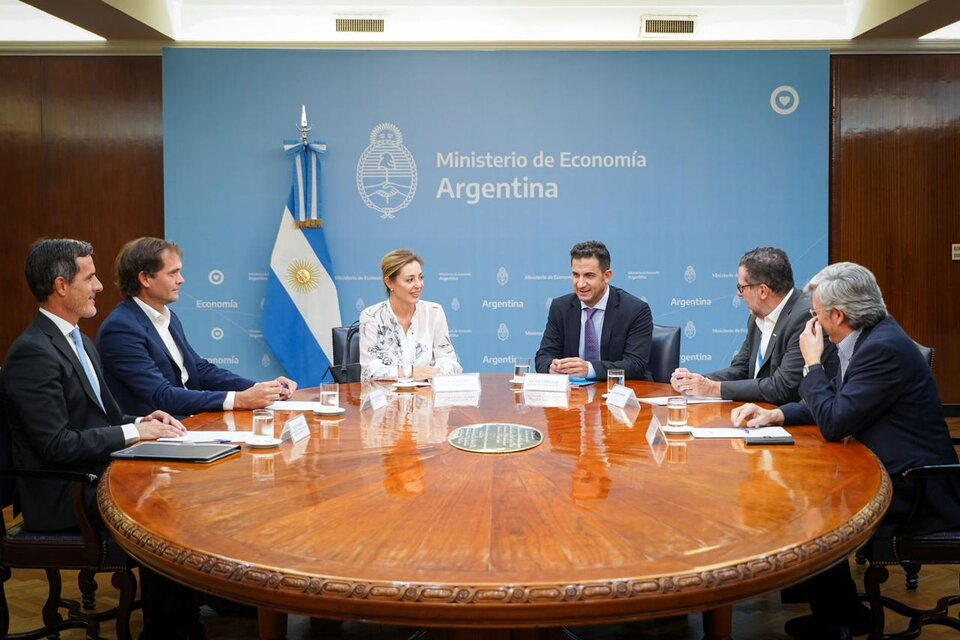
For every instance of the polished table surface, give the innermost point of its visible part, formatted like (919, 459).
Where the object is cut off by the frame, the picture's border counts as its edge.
(375, 516)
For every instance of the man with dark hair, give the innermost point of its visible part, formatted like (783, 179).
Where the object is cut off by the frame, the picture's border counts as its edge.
(884, 396)
(767, 367)
(597, 327)
(61, 414)
(146, 357)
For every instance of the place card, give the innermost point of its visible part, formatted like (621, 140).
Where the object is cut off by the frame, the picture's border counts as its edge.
(624, 415)
(657, 441)
(376, 399)
(295, 429)
(556, 382)
(622, 396)
(463, 382)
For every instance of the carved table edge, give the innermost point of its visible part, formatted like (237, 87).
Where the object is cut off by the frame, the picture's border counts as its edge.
(268, 578)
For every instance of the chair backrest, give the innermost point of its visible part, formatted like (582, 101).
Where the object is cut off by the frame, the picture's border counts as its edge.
(927, 353)
(7, 483)
(346, 353)
(664, 352)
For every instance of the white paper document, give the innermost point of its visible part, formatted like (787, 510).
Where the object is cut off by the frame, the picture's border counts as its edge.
(661, 401)
(294, 405)
(223, 437)
(739, 432)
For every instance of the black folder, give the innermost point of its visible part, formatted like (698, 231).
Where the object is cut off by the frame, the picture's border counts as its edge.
(175, 451)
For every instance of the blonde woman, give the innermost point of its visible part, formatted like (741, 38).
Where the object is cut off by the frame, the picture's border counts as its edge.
(404, 328)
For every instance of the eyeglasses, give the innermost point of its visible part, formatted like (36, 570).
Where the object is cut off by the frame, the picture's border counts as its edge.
(741, 287)
(813, 313)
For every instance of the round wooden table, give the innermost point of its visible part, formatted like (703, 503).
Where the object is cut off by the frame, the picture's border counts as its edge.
(376, 517)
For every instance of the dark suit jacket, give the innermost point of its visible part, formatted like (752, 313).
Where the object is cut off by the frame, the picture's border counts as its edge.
(779, 378)
(888, 400)
(624, 343)
(55, 420)
(142, 374)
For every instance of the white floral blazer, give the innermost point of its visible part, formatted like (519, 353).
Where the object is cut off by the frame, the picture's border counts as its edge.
(383, 344)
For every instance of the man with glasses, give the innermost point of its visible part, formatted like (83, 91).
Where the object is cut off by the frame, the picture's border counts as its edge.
(885, 397)
(768, 366)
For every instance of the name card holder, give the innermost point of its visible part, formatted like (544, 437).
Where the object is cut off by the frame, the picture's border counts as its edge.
(464, 382)
(556, 382)
(657, 441)
(622, 396)
(295, 429)
(375, 399)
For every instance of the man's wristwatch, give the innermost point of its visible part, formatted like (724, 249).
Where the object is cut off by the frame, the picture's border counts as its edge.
(807, 368)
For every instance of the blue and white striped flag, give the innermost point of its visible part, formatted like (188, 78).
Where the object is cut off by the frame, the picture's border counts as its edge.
(302, 305)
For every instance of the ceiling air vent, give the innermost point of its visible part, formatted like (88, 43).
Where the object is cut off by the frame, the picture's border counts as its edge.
(359, 25)
(667, 26)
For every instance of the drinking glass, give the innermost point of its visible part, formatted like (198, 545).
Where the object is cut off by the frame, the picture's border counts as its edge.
(263, 422)
(614, 377)
(521, 367)
(677, 411)
(404, 373)
(330, 395)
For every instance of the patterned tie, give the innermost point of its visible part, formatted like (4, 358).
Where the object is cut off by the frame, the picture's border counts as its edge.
(87, 365)
(591, 347)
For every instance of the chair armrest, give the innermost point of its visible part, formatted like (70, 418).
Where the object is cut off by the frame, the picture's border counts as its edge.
(80, 481)
(931, 471)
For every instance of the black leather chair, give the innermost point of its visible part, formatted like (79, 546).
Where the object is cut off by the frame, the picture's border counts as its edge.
(346, 353)
(664, 352)
(906, 547)
(86, 549)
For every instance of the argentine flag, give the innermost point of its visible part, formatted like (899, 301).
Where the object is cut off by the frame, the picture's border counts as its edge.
(302, 305)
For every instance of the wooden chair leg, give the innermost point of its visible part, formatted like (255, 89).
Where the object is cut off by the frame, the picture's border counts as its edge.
(872, 579)
(51, 608)
(912, 569)
(126, 583)
(87, 582)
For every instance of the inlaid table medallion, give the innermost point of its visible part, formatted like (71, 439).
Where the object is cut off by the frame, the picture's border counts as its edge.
(376, 516)
(495, 437)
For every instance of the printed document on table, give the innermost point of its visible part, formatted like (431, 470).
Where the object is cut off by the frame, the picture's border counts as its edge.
(739, 432)
(661, 401)
(222, 437)
(294, 405)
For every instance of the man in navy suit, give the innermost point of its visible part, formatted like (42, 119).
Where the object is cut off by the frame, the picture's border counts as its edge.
(61, 415)
(884, 396)
(767, 367)
(146, 357)
(597, 327)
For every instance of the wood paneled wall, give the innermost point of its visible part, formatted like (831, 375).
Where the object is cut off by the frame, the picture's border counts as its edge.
(81, 156)
(895, 190)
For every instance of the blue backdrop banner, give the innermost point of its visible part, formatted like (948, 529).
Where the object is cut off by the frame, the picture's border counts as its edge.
(491, 165)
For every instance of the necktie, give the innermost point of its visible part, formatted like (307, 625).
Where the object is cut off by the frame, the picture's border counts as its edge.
(760, 356)
(87, 365)
(591, 346)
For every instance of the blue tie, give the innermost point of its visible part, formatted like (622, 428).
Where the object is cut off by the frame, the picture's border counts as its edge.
(87, 365)
(591, 347)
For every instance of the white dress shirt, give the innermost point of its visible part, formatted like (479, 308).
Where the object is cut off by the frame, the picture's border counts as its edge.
(766, 326)
(384, 345)
(130, 433)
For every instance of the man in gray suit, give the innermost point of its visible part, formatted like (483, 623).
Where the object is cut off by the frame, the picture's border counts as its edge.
(768, 367)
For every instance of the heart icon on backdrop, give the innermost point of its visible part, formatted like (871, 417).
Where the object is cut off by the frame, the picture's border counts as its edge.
(784, 100)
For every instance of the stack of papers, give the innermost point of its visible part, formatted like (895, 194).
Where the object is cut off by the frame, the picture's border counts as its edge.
(739, 432)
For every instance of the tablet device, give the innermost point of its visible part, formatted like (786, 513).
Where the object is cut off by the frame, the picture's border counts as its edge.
(176, 451)
(768, 440)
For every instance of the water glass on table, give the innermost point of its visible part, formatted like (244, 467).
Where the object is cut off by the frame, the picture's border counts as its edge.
(405, 373)
(263, 423)
(677, 411)
(614, 377)
(521, 367)
(329, 396)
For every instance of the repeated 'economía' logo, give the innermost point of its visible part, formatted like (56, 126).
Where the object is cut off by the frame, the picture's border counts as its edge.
(386, 172)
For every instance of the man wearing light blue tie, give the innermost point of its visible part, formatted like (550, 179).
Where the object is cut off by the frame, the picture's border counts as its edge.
(597, 327)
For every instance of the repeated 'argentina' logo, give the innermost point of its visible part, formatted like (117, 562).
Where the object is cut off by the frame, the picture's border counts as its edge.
(455, 304)
(361, 305)
(386, 172)
(690, 330)
(736, 301)
(502, 332)
(690, 275)
(265, 361)
(502, 276)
